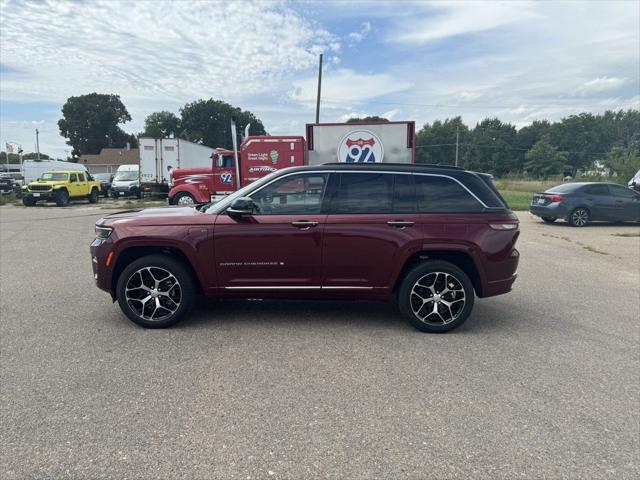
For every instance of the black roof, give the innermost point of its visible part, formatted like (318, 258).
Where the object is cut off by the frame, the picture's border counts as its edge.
(393, 167)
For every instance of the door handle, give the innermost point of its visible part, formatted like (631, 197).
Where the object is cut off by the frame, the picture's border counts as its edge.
(399, 224)
(304, 224)
(619, 201)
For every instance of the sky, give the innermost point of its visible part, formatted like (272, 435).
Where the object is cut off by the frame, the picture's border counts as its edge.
(422, 61)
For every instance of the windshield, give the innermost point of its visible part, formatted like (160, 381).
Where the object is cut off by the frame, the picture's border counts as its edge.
(222, 205)
(49, 176)
(126, 176)
(103, 177)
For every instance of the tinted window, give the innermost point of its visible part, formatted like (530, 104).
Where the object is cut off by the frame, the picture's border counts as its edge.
(624, 192)
(74, 178)
(81, 177)
(597, 190)
(404, 194)
(441, 194)
(364, 193)
(292, 195)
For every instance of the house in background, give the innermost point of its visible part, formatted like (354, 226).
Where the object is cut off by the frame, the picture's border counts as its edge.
(109, 159)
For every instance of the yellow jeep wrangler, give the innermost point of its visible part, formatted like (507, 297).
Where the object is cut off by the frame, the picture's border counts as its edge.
(59, 186)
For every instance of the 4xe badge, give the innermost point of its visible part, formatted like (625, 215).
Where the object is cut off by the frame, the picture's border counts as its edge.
(360, 146)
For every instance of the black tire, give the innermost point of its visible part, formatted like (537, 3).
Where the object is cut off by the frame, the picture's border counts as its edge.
(28, 201)
(438, 272)
(186, 289)
(93, 196)
(184, 197)
(62, 198)
(579, 217)
(548, 219)
(136, 193)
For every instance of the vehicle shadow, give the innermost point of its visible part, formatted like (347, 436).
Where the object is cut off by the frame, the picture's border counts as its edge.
(310, 314)
(563, 224)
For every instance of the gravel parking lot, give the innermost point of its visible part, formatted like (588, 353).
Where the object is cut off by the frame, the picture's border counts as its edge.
(541, 383)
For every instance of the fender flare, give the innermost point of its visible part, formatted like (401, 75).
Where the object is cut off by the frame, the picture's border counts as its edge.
(200, 194)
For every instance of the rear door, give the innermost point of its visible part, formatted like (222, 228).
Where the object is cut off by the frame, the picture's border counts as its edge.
(599, 201)
(371, 220)
(279, 247)
(73, 185)
(82, 185)
(626, 203)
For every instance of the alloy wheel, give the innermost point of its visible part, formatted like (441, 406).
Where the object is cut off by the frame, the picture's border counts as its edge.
(580, 217)
(153, 293)
(437, 298)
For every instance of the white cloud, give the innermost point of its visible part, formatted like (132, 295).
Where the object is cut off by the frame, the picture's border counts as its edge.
(448, 19)
(601, 84)
(357, 37)
(346, 85)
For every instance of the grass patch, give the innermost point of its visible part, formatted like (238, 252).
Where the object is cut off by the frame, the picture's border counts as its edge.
(627, 235)
(135, 203)
(10, 199)
(591, 249)
(517, 200)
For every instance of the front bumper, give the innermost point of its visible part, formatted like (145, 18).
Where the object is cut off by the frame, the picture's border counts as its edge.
(124, 191)
(49, 196)
(102, 273)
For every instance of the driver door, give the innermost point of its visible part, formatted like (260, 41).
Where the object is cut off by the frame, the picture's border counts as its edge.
(278, 247)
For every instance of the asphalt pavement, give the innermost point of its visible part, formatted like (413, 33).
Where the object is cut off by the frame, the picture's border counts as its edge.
(543, 382)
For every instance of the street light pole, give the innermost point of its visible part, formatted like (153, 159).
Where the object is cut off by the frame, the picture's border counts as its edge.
(37, 144)
(319, 90)
(457, 141)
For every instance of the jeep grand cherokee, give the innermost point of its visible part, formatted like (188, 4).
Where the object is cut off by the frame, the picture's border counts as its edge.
(431, 237)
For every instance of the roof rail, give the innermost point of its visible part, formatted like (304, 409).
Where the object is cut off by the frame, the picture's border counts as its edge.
(396, 164)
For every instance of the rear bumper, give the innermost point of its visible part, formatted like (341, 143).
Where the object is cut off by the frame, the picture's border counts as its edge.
(500, 286)
(553, 210)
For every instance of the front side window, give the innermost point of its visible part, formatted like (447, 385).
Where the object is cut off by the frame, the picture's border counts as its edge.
(81, 177)
(74, 178)
(364, 193)
(293, 195)
(623, 192)
(443, 195)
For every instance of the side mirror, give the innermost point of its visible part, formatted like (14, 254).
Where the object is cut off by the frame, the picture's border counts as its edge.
(240, 207)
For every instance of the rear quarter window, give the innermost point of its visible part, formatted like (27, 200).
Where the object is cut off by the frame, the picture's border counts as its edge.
(443, 195)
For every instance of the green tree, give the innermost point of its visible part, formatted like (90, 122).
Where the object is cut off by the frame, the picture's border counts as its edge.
(372, 118)
(15, 158)
(544, 160)
(435, 143)
(528, 136)
(90, 123)
(624, 161)
(209, 122)
(161, 125)
(492, 148)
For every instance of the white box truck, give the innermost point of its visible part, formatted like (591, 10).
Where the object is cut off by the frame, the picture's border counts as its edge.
(367, 142)
(158, 156)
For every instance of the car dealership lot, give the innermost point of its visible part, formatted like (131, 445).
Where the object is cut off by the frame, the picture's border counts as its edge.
(540, 382)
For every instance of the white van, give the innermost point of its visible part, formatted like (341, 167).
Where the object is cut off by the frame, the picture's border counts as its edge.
(126, 182)
(33, 169)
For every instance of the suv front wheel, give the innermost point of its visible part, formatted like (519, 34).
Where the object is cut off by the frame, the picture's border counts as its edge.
(436, 296)
(155, 291)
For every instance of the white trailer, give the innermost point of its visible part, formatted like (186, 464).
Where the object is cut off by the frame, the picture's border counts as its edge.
(158, 156)
(367, 142)
(33, 169)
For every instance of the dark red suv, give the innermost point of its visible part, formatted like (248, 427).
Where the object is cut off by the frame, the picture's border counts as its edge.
(431, 237)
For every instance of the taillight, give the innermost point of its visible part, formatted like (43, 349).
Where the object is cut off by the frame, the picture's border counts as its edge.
(504, 226)
(557, 198)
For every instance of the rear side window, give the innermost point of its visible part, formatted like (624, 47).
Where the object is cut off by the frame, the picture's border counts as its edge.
(364, 193)
(597, 190)
(443, 195)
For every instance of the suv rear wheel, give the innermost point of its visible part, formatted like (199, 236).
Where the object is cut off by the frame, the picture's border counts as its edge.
(436, 296)
(155, 291)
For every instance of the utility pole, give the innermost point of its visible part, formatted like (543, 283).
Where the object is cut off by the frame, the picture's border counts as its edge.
(37, 145)
(319, 90)
(457, 142)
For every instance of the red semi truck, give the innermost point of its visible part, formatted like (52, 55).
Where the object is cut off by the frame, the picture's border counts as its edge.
(370, 142)
(257, 157)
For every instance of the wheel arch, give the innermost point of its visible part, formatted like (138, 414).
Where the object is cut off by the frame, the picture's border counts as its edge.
(200, 195)
(132, 253)
(461, 259)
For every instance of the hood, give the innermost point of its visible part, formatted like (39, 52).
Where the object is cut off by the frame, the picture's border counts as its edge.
(176, 215)
(48, 182)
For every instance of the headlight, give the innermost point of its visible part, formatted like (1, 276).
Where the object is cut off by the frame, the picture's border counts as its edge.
(103, 232)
